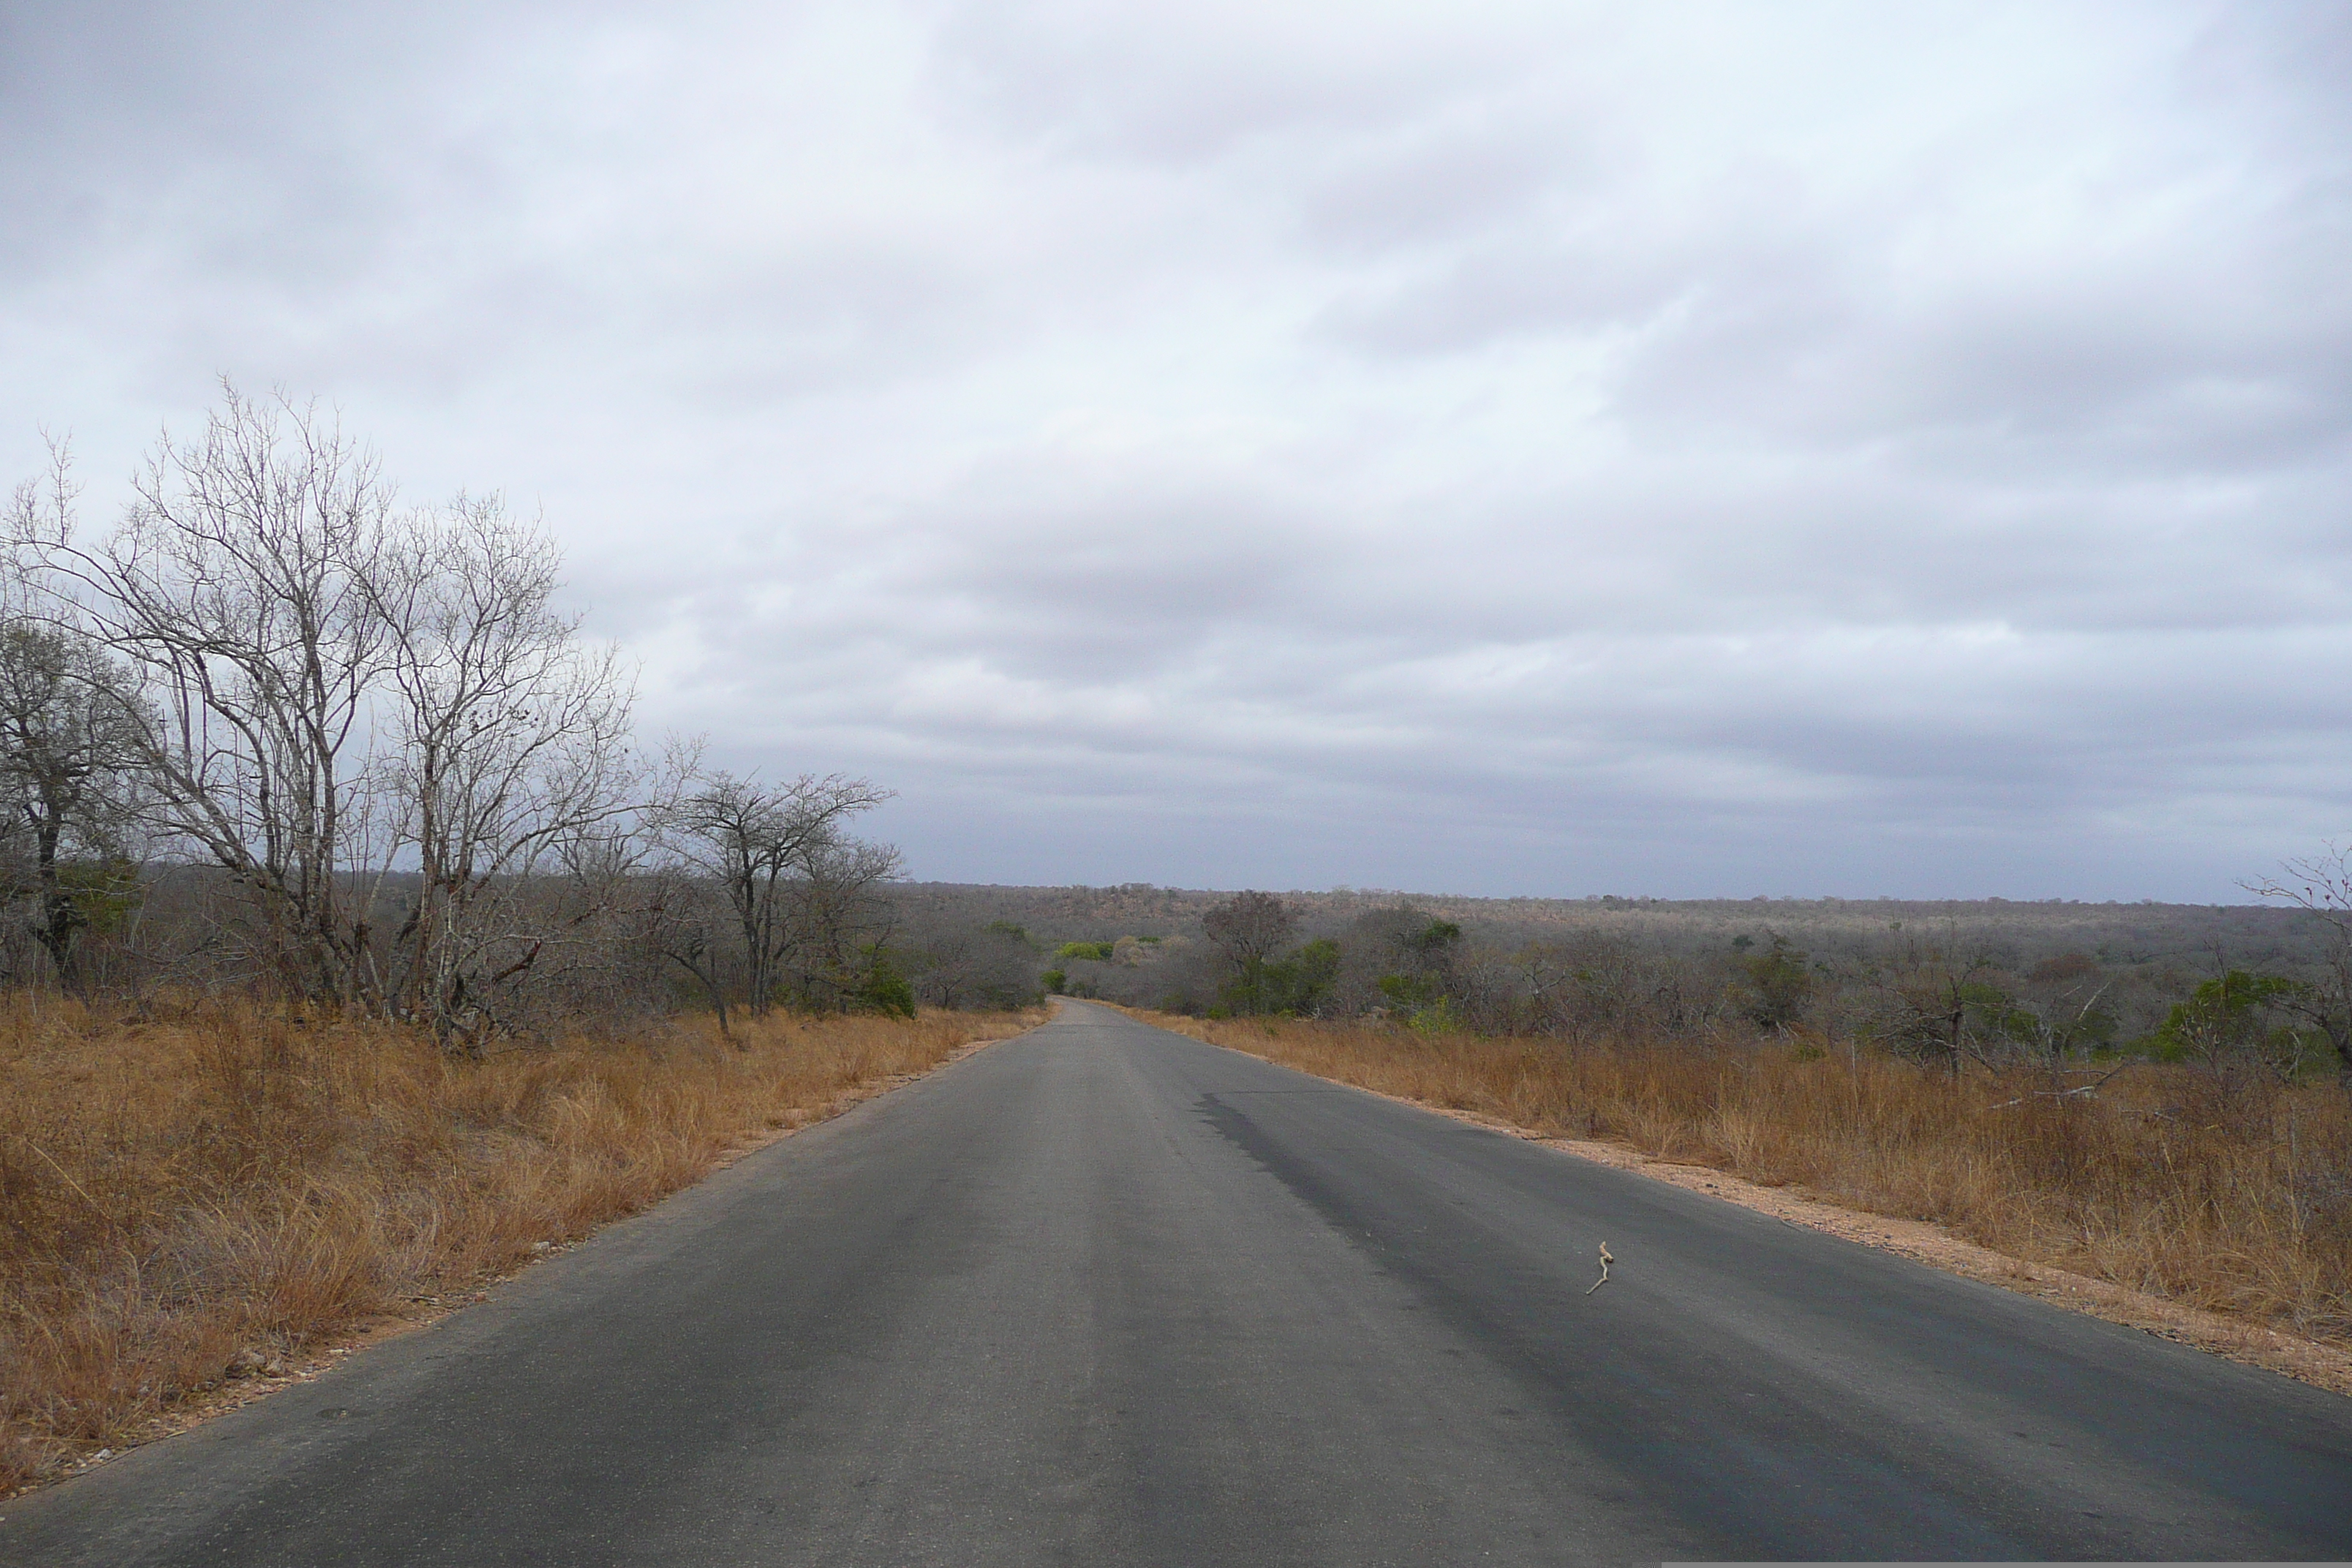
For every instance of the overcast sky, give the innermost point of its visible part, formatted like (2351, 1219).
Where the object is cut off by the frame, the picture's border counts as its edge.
(1510, 449)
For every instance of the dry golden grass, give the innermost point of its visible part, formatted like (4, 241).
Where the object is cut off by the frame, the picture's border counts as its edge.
(2232, 1197)
(201, 1197)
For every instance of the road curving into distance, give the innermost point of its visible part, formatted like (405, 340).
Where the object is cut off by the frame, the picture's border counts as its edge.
(1105, 1295)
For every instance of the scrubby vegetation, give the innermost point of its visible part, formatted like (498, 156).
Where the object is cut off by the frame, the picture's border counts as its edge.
(1972, 987)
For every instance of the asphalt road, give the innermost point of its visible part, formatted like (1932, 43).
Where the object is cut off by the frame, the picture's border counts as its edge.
(1105, 1295)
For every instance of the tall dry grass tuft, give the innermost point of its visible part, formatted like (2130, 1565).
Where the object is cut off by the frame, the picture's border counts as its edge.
(2230, 1194)
(191, 1196)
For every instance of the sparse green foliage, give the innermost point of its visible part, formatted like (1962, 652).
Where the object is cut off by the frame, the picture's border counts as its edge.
(1435, 939)
(68, 751)
(1437, 1018)
(1299, 983)
(884, 988)
(799, 892)
(2241, 1021)
(1778, 985)
(1406, 992)
(1249, 927)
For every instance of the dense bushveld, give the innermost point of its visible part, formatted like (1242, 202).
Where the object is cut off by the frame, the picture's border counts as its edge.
(2104, 976)
(195, 1193)
(2219, 1188)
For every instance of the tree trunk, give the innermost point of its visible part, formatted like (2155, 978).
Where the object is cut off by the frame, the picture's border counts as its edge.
(59, 919)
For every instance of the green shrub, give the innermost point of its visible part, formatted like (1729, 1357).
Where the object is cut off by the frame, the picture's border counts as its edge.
(1778, 985)
(884, 989)
(1409, 992)
(1298, 984)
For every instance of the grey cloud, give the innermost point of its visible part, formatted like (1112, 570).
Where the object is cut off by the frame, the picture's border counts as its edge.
(1464, 174)
(1192, 84)
(1511, 448)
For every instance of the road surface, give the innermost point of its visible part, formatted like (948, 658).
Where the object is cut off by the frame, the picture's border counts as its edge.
(1105, 1295)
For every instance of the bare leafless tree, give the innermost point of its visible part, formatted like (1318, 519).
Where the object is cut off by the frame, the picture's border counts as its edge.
(2321, 885)
(510, 757)
(970, 965)
(333, 695)
(796, 886)
(686, 923)
(237, 588)
(1250, 928)
(841, 927)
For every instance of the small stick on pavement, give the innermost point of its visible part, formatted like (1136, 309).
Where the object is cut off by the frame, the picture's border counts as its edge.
(1605, 1261)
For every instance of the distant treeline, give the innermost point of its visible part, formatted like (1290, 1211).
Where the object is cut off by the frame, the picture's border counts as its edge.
(2262, 987)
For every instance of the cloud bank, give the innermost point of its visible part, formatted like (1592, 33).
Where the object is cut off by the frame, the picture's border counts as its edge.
(1692, 449)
